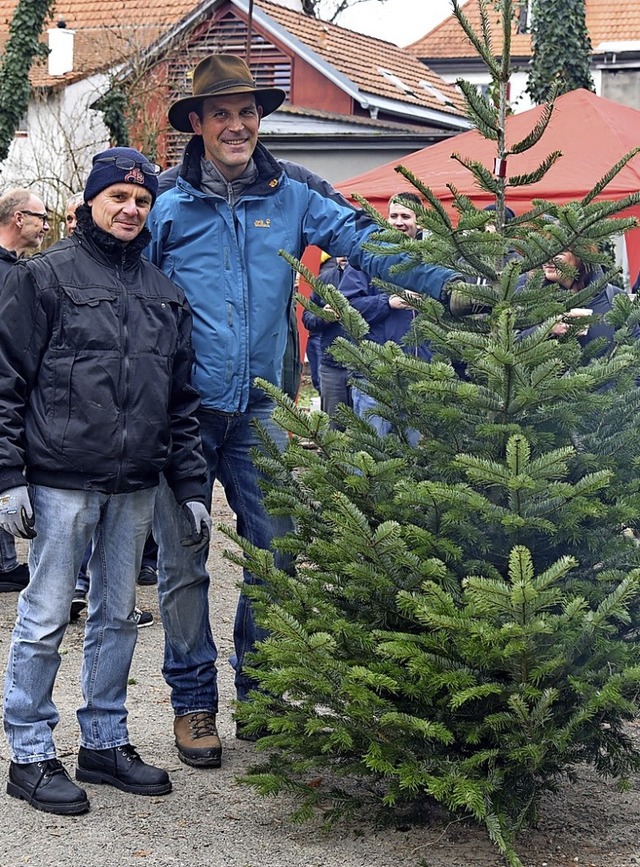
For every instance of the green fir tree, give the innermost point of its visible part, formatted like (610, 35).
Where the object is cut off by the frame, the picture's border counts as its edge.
(459, 623)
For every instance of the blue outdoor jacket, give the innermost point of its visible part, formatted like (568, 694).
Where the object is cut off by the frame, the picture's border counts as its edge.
(385, 322)
(325, 330)
(238, 287)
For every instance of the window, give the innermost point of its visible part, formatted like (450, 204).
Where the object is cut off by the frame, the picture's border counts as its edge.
(523, 17)
(226, 33)
(22, 130)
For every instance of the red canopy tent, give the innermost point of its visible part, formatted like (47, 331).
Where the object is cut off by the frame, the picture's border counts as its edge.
(592, 133)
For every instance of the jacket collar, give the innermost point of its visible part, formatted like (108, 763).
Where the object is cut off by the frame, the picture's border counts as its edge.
(8, 255)
(104, 245)
(268, 168)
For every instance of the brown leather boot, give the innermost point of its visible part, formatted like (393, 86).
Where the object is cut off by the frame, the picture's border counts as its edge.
(197, 739)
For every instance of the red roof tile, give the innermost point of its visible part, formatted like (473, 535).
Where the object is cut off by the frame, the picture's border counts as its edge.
(106, 13)
(607, 21)
(362, 59)
(108, 31)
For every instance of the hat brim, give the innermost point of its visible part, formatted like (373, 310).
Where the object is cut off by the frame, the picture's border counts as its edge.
(268, 98)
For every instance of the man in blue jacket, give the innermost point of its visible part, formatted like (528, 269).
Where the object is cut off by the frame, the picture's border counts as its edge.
(218, 233)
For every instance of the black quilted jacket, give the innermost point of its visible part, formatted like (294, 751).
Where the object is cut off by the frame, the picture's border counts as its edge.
(95, 363)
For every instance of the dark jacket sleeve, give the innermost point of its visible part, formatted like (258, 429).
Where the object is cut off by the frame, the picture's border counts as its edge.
(24, 335)
(372, 304)
(186, 472)
(311, 321)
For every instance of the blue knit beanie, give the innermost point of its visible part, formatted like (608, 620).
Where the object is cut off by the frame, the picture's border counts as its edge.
(106, 172)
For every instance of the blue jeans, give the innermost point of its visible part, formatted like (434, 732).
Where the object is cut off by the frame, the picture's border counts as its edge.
(335, 388)
(8, 559)
(363, 406)
(149, 558)
(82, 581)
(314, 354)
(65, 523)
(183, 582)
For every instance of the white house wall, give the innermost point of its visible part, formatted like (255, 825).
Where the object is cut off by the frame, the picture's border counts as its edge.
(518, 97)
(53, 154)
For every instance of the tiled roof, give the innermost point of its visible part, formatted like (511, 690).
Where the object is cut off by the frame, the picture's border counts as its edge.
(613, 21)
(294, 118)
(607, 21)
(106, 13)
(108, 31)
(361, 59)
(369, 122)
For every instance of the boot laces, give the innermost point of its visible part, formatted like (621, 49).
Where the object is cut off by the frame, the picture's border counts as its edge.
(129, 752)
(51, 767)
(203, 725)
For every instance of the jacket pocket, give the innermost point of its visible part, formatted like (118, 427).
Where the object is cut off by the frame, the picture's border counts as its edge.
(89, 318)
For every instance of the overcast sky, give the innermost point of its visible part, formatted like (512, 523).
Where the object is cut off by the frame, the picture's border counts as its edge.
(399, 21)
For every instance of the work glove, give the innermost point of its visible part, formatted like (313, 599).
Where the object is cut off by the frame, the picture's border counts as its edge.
(16, 513)
(200, 524)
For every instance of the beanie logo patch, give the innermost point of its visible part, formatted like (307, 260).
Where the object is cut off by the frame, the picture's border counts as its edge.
(135, 176)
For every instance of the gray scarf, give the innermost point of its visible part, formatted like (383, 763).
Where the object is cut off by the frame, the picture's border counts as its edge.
(213, 181)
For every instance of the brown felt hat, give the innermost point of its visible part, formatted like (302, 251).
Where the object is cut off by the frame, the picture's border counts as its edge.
(222, 75)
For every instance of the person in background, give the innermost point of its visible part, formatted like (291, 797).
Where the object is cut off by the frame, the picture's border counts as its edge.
(91, 415)
(23, 224)
(509, 214)
(218, 232)
(70, 219)
(314, 338)
(334, 385)
(389, 316)
(574, 275)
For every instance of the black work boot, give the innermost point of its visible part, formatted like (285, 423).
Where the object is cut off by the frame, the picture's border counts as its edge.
(47, 787)
(123, 768)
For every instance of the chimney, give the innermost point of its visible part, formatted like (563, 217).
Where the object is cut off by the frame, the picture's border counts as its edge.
(60, 49)
(296, 5)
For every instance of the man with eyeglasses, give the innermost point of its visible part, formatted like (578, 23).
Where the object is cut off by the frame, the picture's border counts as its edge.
(20, 231)
(24, 221)
(95, 403)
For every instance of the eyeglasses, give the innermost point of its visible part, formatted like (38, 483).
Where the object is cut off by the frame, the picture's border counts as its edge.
(127, 163)
(43, 217)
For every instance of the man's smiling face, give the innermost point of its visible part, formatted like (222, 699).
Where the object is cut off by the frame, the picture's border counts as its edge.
(121, 210)
(229, 128)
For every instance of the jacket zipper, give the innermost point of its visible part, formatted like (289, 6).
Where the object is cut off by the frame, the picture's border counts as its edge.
(125, 369)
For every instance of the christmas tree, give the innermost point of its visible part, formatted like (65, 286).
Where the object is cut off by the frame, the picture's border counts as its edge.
(459, 623)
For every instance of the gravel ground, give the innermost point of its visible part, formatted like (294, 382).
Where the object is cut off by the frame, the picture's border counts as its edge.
(210, 820)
